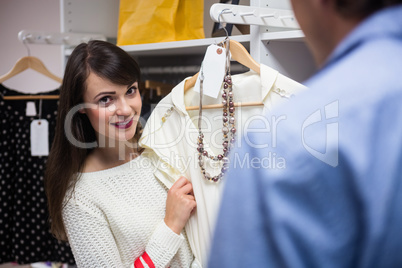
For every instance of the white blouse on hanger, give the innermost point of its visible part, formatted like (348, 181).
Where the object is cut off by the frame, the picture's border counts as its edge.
(170, 139)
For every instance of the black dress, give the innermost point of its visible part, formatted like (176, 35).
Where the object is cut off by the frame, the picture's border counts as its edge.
(24, 228)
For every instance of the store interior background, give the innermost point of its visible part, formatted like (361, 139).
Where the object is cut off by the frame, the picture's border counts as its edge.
(44, 15)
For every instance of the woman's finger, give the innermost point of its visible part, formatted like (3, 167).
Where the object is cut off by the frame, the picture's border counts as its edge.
(179, 183)
(186, 189)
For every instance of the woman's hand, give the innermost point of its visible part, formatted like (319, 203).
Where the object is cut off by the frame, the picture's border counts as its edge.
(180, 203)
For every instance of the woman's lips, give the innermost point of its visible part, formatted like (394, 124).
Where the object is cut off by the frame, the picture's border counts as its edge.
(124, 125)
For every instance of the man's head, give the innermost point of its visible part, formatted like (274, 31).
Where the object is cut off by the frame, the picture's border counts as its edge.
(326, 22)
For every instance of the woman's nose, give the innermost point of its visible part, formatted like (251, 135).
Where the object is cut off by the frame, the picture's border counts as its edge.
(123, 108)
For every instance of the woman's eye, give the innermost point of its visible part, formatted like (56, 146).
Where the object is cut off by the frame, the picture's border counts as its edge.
(105, 100)
(131, 91)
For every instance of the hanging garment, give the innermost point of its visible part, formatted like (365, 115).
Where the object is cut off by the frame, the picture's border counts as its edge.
(24, 228)
(170, 139)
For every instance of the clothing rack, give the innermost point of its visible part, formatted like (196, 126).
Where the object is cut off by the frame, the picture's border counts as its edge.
(69, 39)
(162, 89)
(31, 97)
(272, 31)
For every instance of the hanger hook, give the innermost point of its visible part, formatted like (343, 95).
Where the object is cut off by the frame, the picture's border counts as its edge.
(26, 45)
(219, 21)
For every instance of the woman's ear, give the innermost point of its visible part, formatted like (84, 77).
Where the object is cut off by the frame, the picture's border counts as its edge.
(82, 111)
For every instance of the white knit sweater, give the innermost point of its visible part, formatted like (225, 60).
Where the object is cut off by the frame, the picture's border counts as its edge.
(115, 215)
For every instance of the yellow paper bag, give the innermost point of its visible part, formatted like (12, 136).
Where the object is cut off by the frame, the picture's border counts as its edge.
(152, 21)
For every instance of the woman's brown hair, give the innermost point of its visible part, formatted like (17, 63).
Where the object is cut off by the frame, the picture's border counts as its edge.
(66, 159)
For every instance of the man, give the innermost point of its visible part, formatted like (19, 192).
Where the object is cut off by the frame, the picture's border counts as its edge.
(336, 198)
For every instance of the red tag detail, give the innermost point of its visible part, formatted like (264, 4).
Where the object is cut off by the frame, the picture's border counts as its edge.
(148, 260)
(138, 263)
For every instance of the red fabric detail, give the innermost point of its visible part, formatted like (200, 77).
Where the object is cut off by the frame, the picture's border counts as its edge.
(148, 260)
(138, 263)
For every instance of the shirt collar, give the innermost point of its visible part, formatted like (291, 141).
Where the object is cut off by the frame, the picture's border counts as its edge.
(384, 23)
(268, 78)
(178, 96)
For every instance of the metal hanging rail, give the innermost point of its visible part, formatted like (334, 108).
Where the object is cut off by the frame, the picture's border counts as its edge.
(67, 39)
(238, 14)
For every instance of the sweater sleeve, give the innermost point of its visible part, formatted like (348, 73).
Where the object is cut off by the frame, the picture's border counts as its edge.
(93, 244)
(90, 238)
(161, 248)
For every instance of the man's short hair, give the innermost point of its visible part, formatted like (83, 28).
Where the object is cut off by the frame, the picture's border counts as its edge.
(362, 8)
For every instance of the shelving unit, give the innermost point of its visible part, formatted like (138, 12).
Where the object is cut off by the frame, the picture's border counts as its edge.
(283, 50)
(199, 46)
(186, 47)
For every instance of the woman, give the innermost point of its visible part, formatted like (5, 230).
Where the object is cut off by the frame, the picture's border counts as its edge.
(102, 195)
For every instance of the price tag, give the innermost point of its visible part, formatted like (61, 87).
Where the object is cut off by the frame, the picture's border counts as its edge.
(39, 137)
(30, 109)
(213, 68)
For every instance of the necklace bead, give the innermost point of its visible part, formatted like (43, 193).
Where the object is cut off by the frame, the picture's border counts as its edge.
(228, 129)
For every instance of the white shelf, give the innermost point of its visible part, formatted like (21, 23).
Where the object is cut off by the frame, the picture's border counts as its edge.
(186, 47)
(294, 35)
(198, 46)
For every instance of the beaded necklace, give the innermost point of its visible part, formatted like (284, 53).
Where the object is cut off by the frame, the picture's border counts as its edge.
(228, 128)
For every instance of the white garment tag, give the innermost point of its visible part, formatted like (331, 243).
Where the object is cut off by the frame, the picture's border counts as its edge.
(39, 137)
(31, 109)
(213, 68)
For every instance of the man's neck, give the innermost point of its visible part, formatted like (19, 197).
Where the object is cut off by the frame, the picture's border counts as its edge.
(340, 28)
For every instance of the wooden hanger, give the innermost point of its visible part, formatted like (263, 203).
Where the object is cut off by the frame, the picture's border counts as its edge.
(240, 54)
(34, 64)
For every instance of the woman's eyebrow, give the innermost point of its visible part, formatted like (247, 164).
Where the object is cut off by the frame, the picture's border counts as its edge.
(105, 93)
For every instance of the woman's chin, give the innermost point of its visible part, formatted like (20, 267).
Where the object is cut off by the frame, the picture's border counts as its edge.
(123, 136)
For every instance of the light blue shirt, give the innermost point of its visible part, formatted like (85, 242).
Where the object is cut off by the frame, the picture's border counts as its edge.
(323, 187)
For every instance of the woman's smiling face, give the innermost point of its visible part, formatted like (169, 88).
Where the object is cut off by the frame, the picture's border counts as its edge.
(112, 109)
